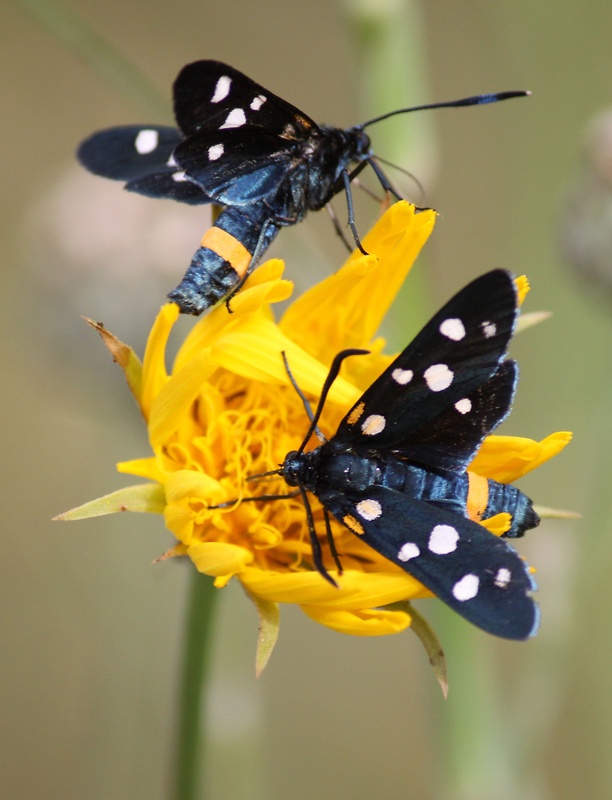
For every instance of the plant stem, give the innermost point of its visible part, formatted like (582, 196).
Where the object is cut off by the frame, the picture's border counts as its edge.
(190, 740)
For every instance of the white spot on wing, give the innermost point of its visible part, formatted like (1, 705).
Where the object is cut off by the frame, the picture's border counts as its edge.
(502, 579)
(402, 376)
(257, 102)
(221, 89)
(467, 587)
(489, 329)
(373, 424)
(453, 329)
(438, 377)
(464, 406)
(234, 119)
(146, 141)
(179, 177)
(443, 540)
(369, 509)
(215, 151)
(171, 161)
(408, 551)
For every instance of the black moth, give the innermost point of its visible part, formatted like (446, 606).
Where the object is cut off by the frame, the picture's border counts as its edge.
(264, 161)
(396, 470)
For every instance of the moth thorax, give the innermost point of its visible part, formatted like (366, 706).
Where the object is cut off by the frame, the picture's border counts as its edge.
(346, 471)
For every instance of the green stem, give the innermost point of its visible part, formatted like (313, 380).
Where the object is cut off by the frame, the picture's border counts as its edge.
(80, 37)
(190, 742)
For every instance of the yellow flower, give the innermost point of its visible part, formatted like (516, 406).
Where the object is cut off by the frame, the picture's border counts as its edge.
(227, 410)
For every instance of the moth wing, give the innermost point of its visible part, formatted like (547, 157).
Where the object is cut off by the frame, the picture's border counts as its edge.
(477, 574)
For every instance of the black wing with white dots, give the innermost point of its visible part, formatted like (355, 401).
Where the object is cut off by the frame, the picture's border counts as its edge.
(457, 352)
(477, 574)
(432, 407)
(210, 96)
(142, 156)
(241, 139)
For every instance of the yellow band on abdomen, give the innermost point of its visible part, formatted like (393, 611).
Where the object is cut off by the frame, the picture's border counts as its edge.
(478, 496)
(228, 248)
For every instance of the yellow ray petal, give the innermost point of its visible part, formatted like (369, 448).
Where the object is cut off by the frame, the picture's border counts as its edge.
(142, 468)
(370, 622)
(154, 374)
(219, 558)
(357, 590)
(507, 458)
(254, 352)
(346, 309)
(170, 405)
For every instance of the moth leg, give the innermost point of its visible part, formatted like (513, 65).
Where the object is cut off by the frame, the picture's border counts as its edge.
(317, 558)
(382, 178)
(260, 248)
(337, 228)
(331, 542)
(346, 178)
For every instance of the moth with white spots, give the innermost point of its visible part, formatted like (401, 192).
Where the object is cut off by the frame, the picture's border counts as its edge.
(261, 159)
(396, 472)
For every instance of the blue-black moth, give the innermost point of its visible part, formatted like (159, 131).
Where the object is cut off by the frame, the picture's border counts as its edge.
(259, 158)
(396, 472)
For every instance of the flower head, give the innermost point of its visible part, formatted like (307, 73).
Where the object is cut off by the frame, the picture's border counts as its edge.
(227, 410)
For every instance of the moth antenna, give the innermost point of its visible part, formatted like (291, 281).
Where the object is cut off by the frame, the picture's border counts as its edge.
(331, 377)
(301, 395)
(475, 100)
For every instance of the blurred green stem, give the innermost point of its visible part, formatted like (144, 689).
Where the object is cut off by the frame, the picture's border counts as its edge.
(98, 52)
(190, 741)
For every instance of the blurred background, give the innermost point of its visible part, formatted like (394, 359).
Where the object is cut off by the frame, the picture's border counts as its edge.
(91, 631)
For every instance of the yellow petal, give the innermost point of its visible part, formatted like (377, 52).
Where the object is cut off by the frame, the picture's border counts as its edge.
(498, 524)
(154, 374)
(170, 407)
(346, 309)
(507, 458)
(357, 590)
(522, 288)
(148, 497)
(219, 558)
(186, 484)
(254, 350)
(372, 622)
(262, 287)
(142, 468)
